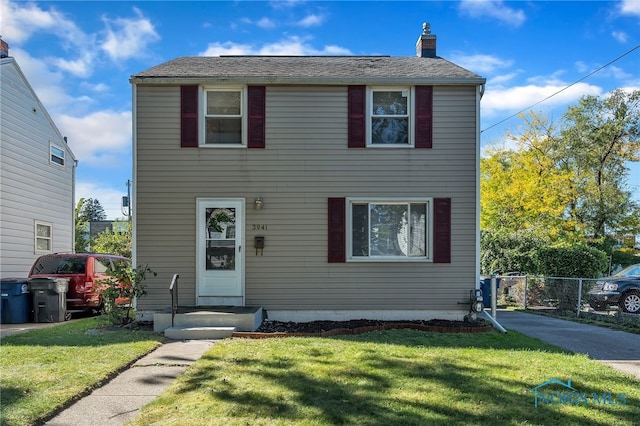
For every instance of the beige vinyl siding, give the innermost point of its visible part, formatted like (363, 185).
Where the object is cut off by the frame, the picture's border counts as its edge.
(306, 160)
(31, 188)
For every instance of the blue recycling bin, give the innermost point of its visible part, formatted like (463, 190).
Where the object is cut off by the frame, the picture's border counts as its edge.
(485, 286)
(15, 304)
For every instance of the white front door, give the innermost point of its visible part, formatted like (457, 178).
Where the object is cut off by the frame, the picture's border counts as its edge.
(219, 276)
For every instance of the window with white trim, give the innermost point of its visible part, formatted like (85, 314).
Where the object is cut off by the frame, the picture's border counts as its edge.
(56, 155)
(224, 117)
(389, 112)
(43, 232)
(388, 229)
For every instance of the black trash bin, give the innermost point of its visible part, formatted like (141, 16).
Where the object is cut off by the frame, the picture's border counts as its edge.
(15, 306)
(49, 299)
(485, 286)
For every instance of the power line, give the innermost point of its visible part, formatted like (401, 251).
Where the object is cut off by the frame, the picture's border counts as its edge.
(563, 89)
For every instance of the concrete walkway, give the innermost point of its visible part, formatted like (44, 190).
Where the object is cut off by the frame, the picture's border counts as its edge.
(618, 349)
(119, 400)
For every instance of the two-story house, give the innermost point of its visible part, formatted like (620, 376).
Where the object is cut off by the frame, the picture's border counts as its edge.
(315, 187)
(37, 176)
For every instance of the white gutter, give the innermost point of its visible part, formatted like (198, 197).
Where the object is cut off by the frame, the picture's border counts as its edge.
(132, 201)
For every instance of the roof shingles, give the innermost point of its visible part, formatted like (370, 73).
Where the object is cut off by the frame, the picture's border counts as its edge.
(309, 69)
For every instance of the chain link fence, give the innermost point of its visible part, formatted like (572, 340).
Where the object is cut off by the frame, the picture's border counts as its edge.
(560, 293)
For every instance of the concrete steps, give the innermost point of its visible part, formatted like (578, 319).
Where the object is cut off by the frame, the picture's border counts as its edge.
(198, 333)
(202, 323)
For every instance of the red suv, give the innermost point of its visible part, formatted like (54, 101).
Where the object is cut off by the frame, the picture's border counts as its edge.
(83, 271)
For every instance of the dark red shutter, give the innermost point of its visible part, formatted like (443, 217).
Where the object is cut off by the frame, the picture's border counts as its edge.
(424, 116)
(256, 116)
(442, 230)
(189, 116)
(336, 229)
(357, 116)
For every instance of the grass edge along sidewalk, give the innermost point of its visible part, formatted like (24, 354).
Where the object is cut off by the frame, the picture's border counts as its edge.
(395, 377)
(43, 371)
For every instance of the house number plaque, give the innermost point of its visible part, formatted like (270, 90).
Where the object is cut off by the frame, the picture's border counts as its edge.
(259, 227)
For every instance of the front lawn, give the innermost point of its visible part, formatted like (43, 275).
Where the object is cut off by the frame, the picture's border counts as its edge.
(396, 377)
(44, 370)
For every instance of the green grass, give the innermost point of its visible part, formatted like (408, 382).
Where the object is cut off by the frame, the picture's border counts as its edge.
(397, 377)
(44, 370)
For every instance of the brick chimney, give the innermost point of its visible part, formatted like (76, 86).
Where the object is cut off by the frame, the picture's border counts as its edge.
(4, 48)
(426, 45)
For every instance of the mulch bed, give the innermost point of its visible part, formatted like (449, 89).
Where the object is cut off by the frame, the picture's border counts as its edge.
(335, 328)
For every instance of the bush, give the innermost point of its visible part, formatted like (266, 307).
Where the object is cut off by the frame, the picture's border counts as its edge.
(120, 289)
(505, 252)
(571, 261)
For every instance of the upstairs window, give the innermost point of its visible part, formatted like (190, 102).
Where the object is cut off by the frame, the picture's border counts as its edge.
(389, 117)
(398, 116)
(223, 117)
(56, 155)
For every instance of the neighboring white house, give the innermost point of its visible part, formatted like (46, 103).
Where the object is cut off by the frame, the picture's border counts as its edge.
(37, 175)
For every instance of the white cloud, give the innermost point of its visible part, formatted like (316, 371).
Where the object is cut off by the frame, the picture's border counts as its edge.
(291, 46)
(310, 21)
(481, 64)
(98, 139)
(81, 66)
(226, 48)
(266, 23)
(285, 4)
(502, 79)
(621, 36)
(128, 37)
(27, 19)
(23, 19)
(110, 198)
(630, 7)
(46, 84)
(504, 100)
(494, 9)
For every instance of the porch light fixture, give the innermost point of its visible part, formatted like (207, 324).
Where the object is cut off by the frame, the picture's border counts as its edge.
(258, 203)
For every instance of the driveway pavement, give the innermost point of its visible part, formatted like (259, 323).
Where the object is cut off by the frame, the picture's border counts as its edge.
(618, 349)
(9, 329)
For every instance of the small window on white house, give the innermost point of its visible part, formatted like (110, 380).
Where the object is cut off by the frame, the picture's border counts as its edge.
(389, 230)
(389, 112)
(43, 237)
(223, 117)
(57, 155)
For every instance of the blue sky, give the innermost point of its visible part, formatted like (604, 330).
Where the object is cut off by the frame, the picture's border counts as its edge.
(78, 56)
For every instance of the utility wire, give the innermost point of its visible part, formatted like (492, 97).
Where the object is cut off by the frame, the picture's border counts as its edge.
(563, 89)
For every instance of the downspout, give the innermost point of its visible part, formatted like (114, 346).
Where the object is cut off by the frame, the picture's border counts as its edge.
(495, 323)
(479, 93)
(73, 204)
(132, 200)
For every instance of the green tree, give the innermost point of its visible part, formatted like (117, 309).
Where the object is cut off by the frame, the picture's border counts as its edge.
(81, 230)
(116, 241)
(600, 137)
(91, 211)
(568, 181)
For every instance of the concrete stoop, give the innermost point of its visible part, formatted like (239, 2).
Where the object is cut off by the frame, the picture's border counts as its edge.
(199, 333)
(201, 323)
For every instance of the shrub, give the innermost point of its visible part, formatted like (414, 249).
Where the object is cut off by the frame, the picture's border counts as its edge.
(505, 252)
(571, 261)
(120, 289)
